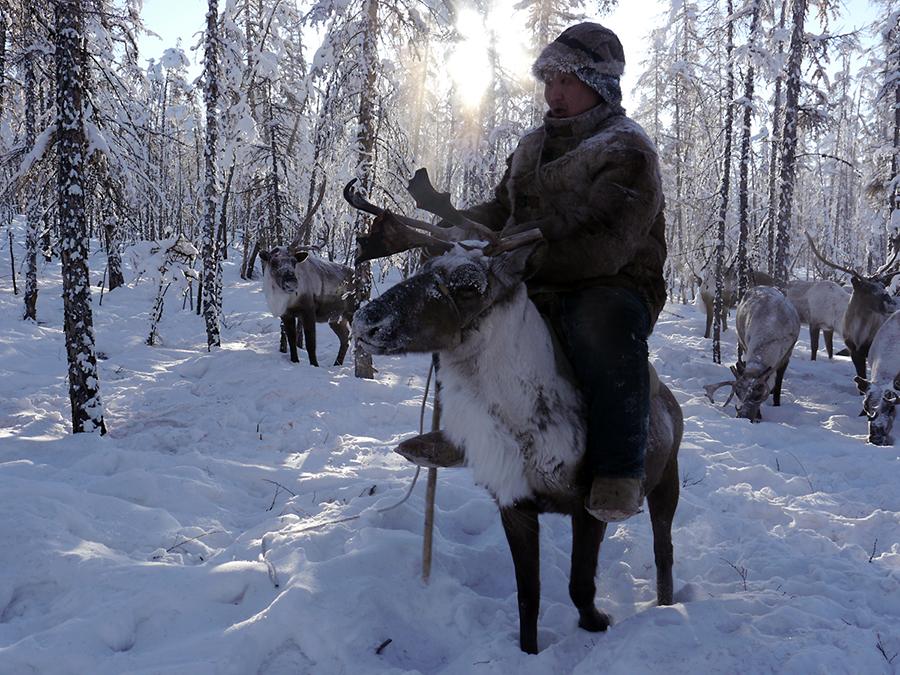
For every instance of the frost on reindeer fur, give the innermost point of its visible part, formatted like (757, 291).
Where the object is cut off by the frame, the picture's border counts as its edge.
(515, 369)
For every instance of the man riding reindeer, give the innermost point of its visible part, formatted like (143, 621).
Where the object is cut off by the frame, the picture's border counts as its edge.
(588, 179)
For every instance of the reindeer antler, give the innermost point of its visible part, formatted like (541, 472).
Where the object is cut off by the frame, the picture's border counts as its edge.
(429, 199)
(392, 233)
(825, 260)
(389, 233)
(713, 388)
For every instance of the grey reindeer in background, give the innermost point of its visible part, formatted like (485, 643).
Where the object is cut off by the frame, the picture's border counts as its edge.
(508, 399)
(870, 305)
(300, 287)
(303, 288)
(827, 303)
(729, 292)
(768, 327)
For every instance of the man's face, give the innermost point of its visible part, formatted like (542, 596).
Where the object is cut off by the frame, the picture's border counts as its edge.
(567, 96)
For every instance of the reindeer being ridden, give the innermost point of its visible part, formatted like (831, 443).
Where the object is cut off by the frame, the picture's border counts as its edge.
(508, 396)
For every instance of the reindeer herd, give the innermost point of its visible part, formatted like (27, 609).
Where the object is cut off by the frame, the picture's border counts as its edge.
(510, 403)
(303, 289)
(768, 325)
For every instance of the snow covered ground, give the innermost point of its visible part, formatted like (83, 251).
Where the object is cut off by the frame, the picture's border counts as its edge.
(184, 541)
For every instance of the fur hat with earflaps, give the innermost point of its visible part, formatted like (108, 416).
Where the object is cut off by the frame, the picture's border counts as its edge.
(592, 52)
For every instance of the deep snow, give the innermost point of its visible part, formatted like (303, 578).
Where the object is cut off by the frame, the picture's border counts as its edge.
(180, 543)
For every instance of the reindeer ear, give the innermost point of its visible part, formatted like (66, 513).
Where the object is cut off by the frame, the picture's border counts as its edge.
(300, 256)
(264, 256)
(862, 384)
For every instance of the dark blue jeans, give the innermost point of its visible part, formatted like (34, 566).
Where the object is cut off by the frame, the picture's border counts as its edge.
(604, 332)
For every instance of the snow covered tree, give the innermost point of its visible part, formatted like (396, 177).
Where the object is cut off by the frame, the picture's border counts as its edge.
(743, 266)
(724, 187)
(32, 48)
(211, 253)
(84, 385)
(789, 142)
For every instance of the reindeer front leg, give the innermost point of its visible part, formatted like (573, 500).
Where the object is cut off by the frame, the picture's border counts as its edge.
(309, 333)
(587, 533)
(522, 532)
(289, 330)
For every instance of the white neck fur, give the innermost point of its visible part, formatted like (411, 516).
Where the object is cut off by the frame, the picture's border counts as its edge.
(504, 401)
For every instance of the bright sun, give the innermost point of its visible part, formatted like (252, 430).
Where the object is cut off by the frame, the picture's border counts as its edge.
(469, 65)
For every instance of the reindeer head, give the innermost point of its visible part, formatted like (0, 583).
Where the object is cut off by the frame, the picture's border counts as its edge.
(751, 388)
(437, 308)
(874, 290)
(880, 406)
(281, 264)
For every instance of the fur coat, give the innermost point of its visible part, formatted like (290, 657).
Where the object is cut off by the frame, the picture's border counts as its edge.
(591, 183)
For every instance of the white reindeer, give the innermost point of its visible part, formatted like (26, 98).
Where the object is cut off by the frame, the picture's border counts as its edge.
(767, 328)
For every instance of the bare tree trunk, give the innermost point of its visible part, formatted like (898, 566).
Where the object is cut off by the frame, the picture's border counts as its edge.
(12, 262)
(2, 58)
(274, 184)
(724, 187)
(362, 280)
(211, 307)
(774, 144)
(223, 213)
(789, 144)
(84, 384)
(114, 258)
(743, 277)
(32, 201)
(894, 212)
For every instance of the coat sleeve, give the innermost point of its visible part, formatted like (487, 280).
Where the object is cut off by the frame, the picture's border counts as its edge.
(601, 235)
(495, 212)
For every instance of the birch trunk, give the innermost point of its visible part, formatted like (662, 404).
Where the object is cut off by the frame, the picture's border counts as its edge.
(211, 263)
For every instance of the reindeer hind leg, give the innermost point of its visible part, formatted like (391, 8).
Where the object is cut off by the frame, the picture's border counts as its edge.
(779, 380)
(341, 328)
(814, 340)
(662, 502)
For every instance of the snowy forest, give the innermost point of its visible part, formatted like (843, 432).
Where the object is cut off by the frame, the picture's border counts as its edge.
(177, 495)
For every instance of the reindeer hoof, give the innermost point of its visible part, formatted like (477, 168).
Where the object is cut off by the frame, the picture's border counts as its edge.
(431, 450)
(593, 620)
